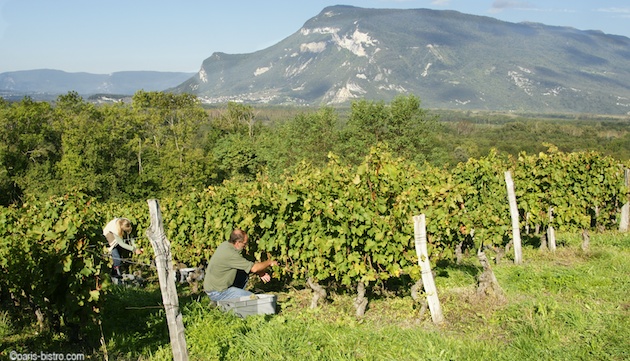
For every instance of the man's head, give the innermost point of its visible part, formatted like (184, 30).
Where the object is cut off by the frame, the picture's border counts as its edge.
(239, 239)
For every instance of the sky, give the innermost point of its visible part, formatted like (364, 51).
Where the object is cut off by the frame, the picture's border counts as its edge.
(103, 37)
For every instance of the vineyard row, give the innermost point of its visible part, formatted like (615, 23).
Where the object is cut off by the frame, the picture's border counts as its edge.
(336, 224)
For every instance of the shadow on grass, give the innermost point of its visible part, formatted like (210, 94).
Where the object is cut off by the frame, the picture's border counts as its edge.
(25, 341)
(532, 240)
(134, 320)
(399, 286)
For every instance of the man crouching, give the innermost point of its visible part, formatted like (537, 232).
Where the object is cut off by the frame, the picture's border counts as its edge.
(228, 271)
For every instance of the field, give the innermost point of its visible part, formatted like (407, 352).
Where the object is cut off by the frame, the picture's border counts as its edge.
(566, 305)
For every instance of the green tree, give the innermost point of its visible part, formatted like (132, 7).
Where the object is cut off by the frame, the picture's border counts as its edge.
(234, 142)
(172, 154)
(29, 148)
(307, 137)
(238, 118)
(124, 149)
(408, 129)
(411, 131)
(85, 160)
(236, 158)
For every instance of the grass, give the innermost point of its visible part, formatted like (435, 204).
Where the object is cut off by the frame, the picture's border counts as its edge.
(6, 325)
(565, 305)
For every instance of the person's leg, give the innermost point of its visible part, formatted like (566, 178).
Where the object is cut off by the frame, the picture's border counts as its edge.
(230, 293)
(117, 262)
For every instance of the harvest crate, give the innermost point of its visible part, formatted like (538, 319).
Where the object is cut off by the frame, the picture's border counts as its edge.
(250, 305)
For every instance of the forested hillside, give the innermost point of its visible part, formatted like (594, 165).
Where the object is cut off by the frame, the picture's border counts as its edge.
(164, 144)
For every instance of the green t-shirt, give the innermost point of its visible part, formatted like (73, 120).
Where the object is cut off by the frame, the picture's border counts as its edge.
(222, 267)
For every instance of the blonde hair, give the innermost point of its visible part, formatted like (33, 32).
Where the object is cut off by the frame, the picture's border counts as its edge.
(123, 225)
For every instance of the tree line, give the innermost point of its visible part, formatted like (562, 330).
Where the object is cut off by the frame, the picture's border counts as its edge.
(163, 144)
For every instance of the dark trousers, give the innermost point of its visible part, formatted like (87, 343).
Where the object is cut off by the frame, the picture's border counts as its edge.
(241, 279)
(116, 257)
(117, 252)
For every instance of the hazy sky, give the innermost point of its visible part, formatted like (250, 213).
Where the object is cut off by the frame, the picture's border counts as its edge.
(117, 35)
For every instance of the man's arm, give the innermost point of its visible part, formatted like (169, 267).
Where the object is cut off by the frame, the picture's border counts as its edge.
(259, 267)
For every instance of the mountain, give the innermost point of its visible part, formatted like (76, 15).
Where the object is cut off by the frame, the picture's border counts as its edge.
(446, 58)
(47, 83)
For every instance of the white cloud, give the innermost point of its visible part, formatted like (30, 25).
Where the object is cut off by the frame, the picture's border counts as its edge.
(620, 12)
(615, 10)
(396, 1)
(500, 5)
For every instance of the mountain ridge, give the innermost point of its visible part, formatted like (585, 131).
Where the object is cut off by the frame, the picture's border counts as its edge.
(447, 58)
(49, 83)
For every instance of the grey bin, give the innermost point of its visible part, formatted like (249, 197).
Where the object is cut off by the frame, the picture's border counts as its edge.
(249, 305)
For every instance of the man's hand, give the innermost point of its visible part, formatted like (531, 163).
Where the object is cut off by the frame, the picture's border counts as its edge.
(139, 250)
(265, 278)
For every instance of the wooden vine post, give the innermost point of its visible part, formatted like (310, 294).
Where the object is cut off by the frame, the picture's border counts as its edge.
(551, 232)
(166, 274)
(516, 232)
(420, 235)
(625, 209)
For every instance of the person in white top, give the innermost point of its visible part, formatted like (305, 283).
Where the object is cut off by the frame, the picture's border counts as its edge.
(114, 232)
